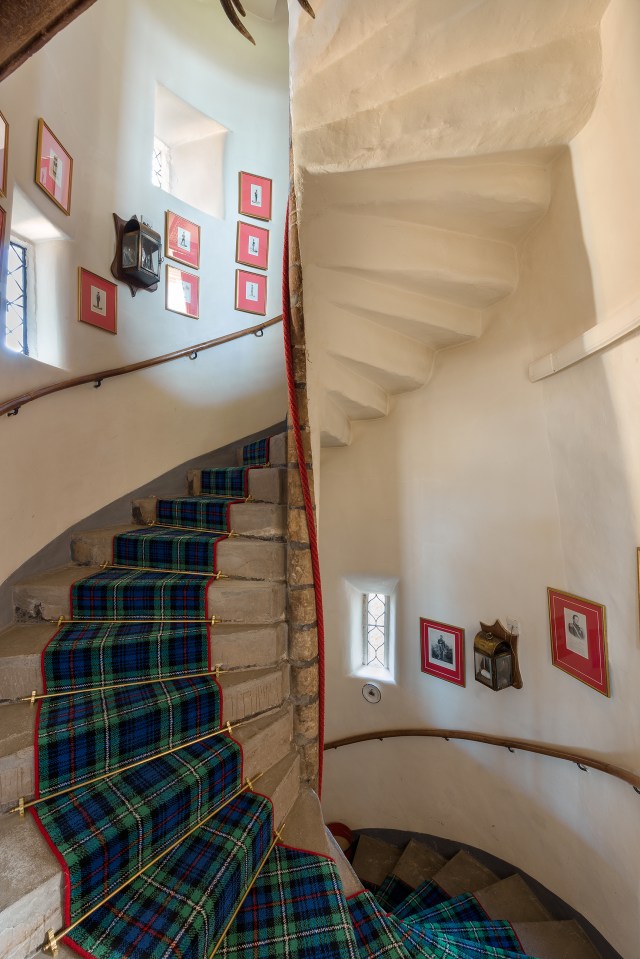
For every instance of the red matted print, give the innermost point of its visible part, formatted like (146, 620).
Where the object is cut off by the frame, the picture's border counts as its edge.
(252, 246)
(54, 168)
(4, 154)
(182, 292)
(3, 225)
(182, 240)
(255, 196)
(97, 301)
(251, 292)
(442, 651)
(579, 639)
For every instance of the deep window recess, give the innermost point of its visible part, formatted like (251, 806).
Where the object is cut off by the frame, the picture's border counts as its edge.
(375, 621)
(17, 297)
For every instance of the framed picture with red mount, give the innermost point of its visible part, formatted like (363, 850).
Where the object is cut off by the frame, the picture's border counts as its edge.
(4, 154)
(182, 240)
(251, 292)
(252, 246)
(182, 293)
(442, 650)
(54, 168)
(578, 633)
(97, 301)
(255, 196)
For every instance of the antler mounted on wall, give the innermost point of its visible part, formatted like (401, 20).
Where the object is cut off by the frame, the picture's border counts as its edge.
(234, 7)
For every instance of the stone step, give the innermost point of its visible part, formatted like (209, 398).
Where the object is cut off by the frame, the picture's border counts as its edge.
(462, 874)
(375, 859)
(232, 647)
(418, 863)
(264, 520)
(555, 940)
(511, 899)
(305, 829)
(267, 485)
(277, 450)
(46, 597)
(245, 693)
(32, 889)
(236, 556)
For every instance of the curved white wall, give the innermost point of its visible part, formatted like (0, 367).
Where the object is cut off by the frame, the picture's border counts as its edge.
(94, 84)
(478, 492)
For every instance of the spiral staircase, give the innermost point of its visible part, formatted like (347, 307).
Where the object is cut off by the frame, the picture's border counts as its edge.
(424, 135)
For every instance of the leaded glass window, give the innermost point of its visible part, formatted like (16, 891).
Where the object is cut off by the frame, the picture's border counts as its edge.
(376, 629)
(161, 165)
(16, 305)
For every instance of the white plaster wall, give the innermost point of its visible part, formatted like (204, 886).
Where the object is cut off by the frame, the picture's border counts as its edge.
(478, 492)
(94, 84)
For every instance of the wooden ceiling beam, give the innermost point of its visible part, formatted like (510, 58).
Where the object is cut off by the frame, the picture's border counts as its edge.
(26, 25)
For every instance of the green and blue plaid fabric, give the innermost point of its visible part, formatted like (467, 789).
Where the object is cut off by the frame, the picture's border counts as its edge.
(436, 946)
(425, 896)
(84, 655)
(464, 908)
(376, 935)
(86, 735)
(179, 907)
(295, 910)
(159, 547)
(195, 511)
(495, 933)
(392, 892)
(110, 830)
(256, 454)
(119, 594)
(231, 482)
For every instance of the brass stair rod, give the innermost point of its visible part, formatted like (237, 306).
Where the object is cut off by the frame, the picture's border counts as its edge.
(254, 879)
(155, 523)
(22, 805)
(51, 944)
(132, 622)
(35, 697)
(155, 569)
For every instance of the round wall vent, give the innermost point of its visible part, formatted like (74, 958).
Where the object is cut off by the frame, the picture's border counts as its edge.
(371, 693)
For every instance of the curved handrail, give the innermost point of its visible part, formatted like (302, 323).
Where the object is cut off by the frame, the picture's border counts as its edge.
(580, 759)
(12, 406)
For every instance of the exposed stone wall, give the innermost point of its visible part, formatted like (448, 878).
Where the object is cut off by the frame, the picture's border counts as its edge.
(302, 617)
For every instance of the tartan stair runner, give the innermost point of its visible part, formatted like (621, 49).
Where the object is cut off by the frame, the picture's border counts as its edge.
(167, 853)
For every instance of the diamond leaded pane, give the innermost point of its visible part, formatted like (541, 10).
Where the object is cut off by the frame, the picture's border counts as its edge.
(376, 609)
(16, 306)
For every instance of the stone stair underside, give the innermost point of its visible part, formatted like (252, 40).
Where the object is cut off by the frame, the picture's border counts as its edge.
(423, 138)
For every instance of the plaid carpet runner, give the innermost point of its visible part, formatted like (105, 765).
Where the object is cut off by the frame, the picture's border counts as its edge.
(141, 792)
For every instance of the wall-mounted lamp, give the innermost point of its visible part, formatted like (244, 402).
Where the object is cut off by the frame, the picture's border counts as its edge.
(495, 654)
(138, 254)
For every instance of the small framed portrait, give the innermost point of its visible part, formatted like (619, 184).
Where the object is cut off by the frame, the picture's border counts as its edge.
(4, 154)
(255, 196)
(182, 240)
(442, 651)
(251, 292)
(182, 292)
(252, 246)
(54, 168)
(579, 639)
(97, 301)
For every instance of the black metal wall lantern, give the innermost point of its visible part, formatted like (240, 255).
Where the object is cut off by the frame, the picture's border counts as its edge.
(138, 254)
(495, 655)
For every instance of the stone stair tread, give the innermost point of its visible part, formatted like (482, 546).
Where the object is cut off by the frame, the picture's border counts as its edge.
(375, 859)
(462, 874)
(264, 520)
(20, 648)
(417, 863)
(46, 597)
(281, 783)
(31, 888)
(277, 450)
(17, 721)
(555, 939)
(237, 556)
(305, 829)
(266, 484)
(511, 899)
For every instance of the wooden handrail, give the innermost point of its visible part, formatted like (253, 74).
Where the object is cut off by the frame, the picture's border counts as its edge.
(12, 406)
(525, 745)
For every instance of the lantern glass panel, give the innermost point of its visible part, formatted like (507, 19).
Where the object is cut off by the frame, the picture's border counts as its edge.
(130, 250)
(150, 256)
(504, 670)
(484, 666)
